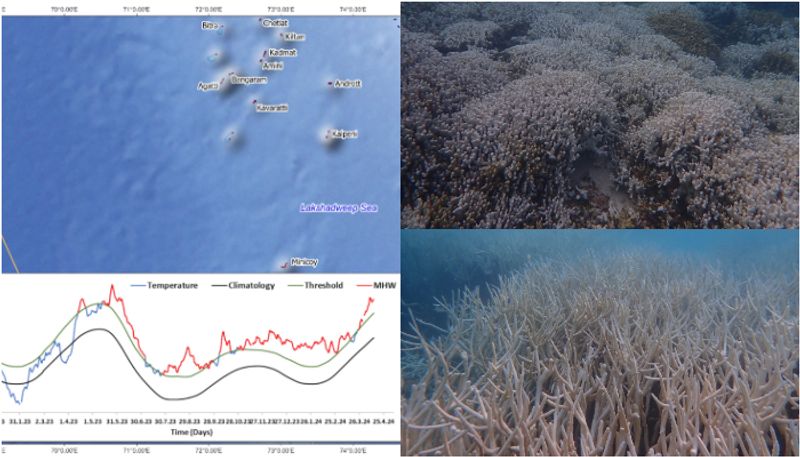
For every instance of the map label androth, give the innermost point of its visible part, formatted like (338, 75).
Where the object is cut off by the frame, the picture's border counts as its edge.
(346, 84)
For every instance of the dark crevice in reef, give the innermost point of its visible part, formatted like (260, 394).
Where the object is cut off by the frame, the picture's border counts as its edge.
(499, 40)
(576, 437)
(503, 38)
(779, 437)
(444, 49)
(731, 25)
(791, 410)
(722, 20)
(652, 417)
(590, 412)
(776, 62)
(701, 429)
(546, 384)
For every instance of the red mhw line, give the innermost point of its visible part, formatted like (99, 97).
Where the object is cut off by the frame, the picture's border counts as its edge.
(332, 345)
(113, 294)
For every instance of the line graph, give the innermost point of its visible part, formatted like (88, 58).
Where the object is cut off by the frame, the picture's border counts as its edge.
(56, 350)
(182, 343)
(186, 397)
(145, 358)
(83, 308)
(329, 346)
(88, 310)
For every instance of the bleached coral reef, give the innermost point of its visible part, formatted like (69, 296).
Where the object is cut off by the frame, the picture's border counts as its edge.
(524, 115)
(465, 34)
(636, 354)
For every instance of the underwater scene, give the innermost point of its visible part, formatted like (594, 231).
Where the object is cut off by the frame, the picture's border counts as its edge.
(600, 342)
(551, 115)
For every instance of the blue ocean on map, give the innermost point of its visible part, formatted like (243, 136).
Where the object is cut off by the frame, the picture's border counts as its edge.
(114, 159)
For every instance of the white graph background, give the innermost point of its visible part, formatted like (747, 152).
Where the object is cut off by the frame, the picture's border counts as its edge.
(352, 377)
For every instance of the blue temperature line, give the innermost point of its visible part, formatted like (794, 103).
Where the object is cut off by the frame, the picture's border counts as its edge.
(54, 348)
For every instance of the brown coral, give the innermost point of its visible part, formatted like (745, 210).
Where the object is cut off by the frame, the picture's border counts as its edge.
(690, 33)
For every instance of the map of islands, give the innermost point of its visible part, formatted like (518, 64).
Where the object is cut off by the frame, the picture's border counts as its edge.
(191, 144)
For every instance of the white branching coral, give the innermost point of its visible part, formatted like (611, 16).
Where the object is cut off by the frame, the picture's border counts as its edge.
(442, 84)
(537, 126)
(637, 56)
(600, 36)
(669, 155)
(766, 196)
(651, 47)
(740, 59)
(467, 34)
(772, 101)
(552, 25)
(687, 9)
(632, 355)
(631, 20)
(419, 17)
(417, 47)
(697, 66)
(746, 59)
(641, 87)
(556, 54)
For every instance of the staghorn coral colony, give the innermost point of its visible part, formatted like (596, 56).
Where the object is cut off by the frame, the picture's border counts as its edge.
(623, 354)
(532, 115)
